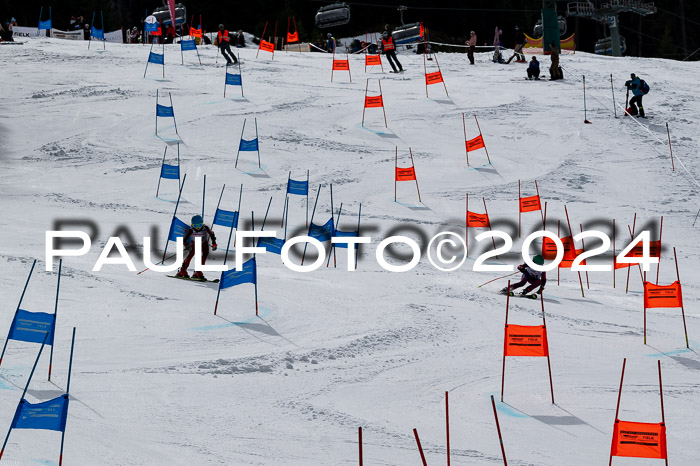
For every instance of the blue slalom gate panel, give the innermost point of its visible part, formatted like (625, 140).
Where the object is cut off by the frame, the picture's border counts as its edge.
(45, 24)
(233, 277)
(178, 228)
(32, 327)
(97, 33)
(322, 232)
(49, 415)
(273, 245)
(157, 58)
(251, 145)
(298, 187)
(164, 111)
(170, 172)
(188, 45)
(226, 218)
(233, 79)
(345, 234)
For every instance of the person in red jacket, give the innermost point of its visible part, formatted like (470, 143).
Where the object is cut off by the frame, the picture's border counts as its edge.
(198, 230)
(225, 46)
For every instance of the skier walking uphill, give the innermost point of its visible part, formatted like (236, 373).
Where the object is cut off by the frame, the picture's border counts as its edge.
(198, 230)
(224, 46)
(389, 50)
(533, 277)
(496, 46)
(639, 88)
(554, 69)
(519, 44)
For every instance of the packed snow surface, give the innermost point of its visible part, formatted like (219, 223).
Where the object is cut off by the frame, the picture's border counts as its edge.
(159, 379)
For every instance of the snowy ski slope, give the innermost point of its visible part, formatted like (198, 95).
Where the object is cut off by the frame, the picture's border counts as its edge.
(158, 379)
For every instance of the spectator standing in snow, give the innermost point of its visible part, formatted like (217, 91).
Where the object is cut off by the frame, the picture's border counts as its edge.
(223, 39)
(472, 45)
(554, 71)
(496, 45)
(519, 43)
(389, 50)
(330, 43)
(240, 40)
(533, 71)
(134, 35)
(86, 32)
(170, 34)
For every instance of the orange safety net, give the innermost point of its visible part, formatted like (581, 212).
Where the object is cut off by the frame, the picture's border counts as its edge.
(292, 37)
(526, 340)
(267, 46)
(342, 65)
(476, 143)
(373, 60)
(475, 220)
(530, 204)
(405, 174)
(663, 296)
(433, 78)
(374, 101)
(639, 440)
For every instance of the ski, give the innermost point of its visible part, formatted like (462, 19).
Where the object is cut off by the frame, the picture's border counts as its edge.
(216, 280)
(531, 295)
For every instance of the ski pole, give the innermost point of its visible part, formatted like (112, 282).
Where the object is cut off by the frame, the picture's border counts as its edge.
(498, 278)
(161, 262)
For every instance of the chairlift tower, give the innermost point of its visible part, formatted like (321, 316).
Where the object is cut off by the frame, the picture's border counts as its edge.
(607, 12)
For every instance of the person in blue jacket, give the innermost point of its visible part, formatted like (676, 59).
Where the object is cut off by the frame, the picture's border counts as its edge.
(330, 43)
(635, 85)
(533, 71)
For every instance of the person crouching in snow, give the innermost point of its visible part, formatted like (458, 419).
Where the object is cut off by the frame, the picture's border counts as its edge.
(198, 230)
(533, 277)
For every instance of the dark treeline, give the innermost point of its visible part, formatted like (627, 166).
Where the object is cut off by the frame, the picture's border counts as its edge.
(657, 35)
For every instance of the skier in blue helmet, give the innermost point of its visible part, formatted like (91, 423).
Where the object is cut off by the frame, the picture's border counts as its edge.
(531, 276)
(197, 230)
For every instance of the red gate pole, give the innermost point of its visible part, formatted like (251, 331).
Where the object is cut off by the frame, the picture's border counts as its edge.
(498, 428)
(420, 448)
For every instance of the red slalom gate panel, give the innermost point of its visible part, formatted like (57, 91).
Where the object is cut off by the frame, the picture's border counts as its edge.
(292, 37)
(267, 46)
(405, 174)
(476, 143)
(639, 440)
(374, 101)
(373, 60)
(663, 296)
(433, 78)
(530, 204)
(475, 220)
(341, 65)
(526, 340)
(567, 262)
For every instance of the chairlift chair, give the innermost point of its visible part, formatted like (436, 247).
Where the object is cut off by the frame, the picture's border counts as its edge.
(407, 33)
(162, 14)
(336, 14)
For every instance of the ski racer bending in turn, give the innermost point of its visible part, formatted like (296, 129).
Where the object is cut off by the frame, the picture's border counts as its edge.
(199, 229)
(533, 277)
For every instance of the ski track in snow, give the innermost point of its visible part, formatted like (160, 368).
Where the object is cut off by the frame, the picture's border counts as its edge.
(158, 379)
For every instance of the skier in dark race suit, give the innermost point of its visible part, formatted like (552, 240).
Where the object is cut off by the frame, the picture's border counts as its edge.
(533, 277)
(198, 230)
